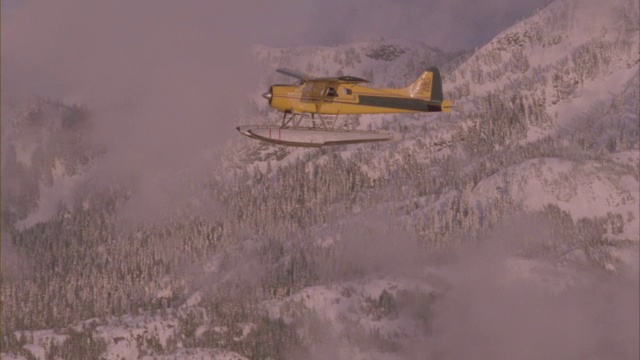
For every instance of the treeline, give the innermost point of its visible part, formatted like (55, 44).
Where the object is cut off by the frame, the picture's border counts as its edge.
(100, 272)
(82, 264)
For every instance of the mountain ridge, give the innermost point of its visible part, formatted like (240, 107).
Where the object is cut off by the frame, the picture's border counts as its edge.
(511, 210)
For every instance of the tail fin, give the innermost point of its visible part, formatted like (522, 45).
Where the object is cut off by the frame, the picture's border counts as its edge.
(429, 86)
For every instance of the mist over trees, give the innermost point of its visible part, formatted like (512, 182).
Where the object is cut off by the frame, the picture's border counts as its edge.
(288, 223)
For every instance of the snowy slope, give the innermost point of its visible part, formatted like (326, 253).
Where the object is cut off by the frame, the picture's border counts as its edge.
(584, 189)
(575, 80)
(545, 127)
(571, 73)
(131, 338)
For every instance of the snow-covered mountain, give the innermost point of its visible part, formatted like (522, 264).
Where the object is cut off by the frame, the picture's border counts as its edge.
(483, 233)
(556, 87)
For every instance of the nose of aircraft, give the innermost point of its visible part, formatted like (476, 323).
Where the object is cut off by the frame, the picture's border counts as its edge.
(267, 95)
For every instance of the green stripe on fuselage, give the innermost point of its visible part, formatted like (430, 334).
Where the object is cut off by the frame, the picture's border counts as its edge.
(399, 103)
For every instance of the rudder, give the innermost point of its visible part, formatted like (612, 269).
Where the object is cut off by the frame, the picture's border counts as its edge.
(428, 85)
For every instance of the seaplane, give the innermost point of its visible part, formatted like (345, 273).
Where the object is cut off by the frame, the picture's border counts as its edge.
(343, 95)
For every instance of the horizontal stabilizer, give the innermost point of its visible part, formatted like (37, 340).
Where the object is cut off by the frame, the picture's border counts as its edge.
(446, 106)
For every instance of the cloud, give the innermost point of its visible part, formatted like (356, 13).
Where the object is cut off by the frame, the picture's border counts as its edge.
(450, 25)
(165, 79)
(372, 244)
(14, 263)
(495, 311)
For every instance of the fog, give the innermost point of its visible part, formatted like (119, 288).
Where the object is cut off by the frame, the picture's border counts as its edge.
(449, 25)
(498, 308)
(493, 303)
(165, 80)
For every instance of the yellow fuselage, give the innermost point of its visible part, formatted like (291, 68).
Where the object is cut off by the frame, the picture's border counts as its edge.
(349, 99)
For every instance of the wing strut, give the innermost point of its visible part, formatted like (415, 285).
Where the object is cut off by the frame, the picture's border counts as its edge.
(291, 120)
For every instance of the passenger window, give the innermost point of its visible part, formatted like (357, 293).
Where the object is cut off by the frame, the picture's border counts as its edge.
(346, 91)
(332, 92)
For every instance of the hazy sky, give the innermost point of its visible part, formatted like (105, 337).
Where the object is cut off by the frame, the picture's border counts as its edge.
(164, 79)
(84, 48)
(450, 25)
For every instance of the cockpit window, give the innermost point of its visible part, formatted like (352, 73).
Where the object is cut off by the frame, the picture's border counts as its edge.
(346, 91)
(332, 92)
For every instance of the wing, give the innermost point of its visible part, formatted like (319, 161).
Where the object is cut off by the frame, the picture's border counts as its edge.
(294, 74)
(334, 80)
